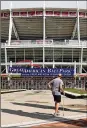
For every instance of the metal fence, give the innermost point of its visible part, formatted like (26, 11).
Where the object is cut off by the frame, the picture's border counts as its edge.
(39, 83)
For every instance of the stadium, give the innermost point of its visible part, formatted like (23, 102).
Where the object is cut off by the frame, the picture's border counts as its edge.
(43, 38)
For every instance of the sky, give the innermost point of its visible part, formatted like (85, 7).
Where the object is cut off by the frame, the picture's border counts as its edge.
(36, 4)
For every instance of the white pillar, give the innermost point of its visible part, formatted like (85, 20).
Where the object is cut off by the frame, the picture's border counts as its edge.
(81, 59)
(75, 68)
(32, 64)
(53, 64)
(75, 71)
(10, 63)
(78, 28)
(10, 26)
(6, 60)
(53, 58)
(10, 73)
(43, 33)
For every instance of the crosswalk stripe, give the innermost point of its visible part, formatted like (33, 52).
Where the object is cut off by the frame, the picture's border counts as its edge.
(51, 120)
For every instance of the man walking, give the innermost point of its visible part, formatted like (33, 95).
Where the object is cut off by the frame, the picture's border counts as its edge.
(56, 86)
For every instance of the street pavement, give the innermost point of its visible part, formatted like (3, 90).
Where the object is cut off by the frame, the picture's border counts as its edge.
(35, 109)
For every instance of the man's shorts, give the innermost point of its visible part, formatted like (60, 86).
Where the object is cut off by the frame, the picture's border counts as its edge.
(57, 98)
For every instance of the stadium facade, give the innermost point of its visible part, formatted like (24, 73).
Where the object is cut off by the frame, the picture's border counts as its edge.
(48, 38)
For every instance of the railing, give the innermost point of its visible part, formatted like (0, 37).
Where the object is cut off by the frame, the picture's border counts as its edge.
(48, 63)
(38, 83)
(28, 43)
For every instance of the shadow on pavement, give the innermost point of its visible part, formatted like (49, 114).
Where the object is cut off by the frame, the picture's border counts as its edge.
(47, 107)
(42, 116)
(37, 115)
(34, 105)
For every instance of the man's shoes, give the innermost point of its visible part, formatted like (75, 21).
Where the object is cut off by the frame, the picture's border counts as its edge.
(56, 114)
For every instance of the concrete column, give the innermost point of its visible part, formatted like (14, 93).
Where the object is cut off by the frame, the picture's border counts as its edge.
(6, 59)
(43, 33)
(10, 26)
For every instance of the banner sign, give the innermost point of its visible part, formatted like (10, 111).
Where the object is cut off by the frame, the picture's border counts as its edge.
(41, 71)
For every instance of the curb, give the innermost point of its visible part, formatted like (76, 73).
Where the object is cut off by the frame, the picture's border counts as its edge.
(3, 92)
(75, 96)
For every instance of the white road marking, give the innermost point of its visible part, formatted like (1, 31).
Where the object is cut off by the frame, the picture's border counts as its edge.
(51, 120)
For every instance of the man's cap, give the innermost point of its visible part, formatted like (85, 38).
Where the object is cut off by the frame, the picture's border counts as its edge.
(60, 75)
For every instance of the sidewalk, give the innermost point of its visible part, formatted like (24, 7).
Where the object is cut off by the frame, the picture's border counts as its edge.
(29, 108)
